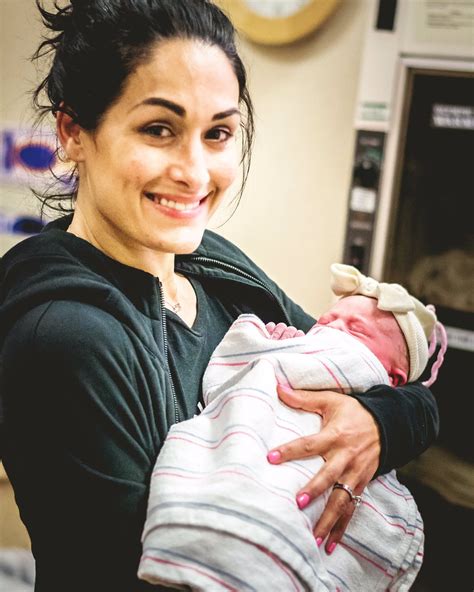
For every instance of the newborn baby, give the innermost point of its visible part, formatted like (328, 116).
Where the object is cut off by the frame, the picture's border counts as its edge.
(220, 517)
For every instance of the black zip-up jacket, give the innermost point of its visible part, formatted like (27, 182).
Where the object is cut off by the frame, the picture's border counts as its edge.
(87, 398)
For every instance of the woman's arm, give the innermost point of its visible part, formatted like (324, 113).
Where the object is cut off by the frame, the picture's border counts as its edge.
(407, 418)
(80, 446)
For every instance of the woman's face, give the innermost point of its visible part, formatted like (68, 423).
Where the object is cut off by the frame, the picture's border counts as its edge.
(164, 154)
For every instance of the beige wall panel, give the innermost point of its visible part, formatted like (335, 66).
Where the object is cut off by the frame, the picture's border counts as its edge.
(292, 217)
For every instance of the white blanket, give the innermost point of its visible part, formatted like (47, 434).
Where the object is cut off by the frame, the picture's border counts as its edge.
(220, 517)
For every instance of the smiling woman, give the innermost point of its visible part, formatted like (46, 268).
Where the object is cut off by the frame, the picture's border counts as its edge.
(109, 316)
(169, 157)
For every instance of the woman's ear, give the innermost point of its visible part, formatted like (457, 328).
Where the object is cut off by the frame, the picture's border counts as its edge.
(71, 136)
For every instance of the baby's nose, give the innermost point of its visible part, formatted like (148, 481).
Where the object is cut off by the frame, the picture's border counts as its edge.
(336, 324)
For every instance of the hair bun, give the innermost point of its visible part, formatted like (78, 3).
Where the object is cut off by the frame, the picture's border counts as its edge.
(60, 20)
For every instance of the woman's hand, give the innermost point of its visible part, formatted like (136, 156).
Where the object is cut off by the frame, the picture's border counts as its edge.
(349, 442)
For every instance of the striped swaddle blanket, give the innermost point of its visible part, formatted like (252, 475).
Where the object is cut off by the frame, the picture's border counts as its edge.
(221, 518)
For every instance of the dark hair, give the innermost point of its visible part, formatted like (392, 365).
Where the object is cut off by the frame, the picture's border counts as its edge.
(98, 43)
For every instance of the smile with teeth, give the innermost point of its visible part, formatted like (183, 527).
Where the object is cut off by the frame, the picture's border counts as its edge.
(174, 205)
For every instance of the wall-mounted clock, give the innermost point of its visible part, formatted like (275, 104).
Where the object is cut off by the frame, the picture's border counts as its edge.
(277, 22)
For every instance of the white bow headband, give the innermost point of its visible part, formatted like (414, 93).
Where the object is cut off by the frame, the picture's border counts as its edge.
(417, 321)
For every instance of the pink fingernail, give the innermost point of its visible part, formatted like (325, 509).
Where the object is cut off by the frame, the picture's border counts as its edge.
(331, 548)
(274, 456)
(302, 500)
(319, 541)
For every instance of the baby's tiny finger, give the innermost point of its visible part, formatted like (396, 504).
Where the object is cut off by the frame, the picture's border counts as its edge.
(289, 332)
(279, 330)
(270, 327)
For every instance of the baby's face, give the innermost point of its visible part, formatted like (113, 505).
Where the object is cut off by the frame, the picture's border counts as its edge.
(375, 328)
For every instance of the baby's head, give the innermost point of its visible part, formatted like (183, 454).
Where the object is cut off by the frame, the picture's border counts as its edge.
(395, 326)
(377, 329)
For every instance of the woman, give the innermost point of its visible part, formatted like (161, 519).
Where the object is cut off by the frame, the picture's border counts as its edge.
(117, 307)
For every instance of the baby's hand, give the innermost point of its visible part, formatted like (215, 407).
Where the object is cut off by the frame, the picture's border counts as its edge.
(282, 331)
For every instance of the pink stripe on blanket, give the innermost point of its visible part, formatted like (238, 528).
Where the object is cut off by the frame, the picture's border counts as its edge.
(289, 500)
(317, 351)
(281, 566)
(214, 446)
(395, 525)
(405, 497)
(365, 558)
(332, 374)
(261, 355)
(195, 569)
(211, 363)
(280, 425)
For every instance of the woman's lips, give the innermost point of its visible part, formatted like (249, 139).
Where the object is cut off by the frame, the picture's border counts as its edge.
(177, 206)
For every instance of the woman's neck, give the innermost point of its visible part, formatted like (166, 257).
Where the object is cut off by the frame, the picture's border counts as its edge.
(90, 229)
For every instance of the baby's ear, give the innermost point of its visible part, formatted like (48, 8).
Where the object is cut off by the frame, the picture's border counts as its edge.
(397, 377)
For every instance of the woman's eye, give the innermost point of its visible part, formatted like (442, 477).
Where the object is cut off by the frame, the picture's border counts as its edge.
(219, 134)
(157, 131)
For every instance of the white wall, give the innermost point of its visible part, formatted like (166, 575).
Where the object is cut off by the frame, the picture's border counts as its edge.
(292, 217)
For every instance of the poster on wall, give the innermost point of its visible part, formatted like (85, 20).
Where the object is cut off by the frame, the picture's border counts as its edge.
(28, 160)
(29, 157)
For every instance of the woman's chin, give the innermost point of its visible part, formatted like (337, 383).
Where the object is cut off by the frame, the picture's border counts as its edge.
(184, 244)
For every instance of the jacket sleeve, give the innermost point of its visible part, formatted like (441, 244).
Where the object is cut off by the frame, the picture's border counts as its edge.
(408, 421)
(78, 447)
(407, 416)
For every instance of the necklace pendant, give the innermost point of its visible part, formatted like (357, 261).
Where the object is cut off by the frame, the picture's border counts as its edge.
(176, 307)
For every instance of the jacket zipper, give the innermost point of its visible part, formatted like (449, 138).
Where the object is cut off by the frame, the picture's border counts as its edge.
(223, 265)
(165, 346)
(202, 259)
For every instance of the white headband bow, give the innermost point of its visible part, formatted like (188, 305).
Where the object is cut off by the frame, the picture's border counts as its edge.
(347, 280)
(417, 321)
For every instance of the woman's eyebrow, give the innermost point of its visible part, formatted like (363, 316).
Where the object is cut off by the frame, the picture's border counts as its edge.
(224, 114)
(181, 111)
(160, 102)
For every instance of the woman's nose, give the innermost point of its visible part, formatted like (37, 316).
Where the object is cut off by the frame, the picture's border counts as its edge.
(191, 168)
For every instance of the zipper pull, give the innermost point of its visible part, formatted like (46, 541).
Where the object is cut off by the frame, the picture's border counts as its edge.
(200, 409)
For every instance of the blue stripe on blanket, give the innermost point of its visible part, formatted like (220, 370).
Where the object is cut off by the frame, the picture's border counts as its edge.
(386, 560)
(243, 586)
(269, 350)
(230, 512)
